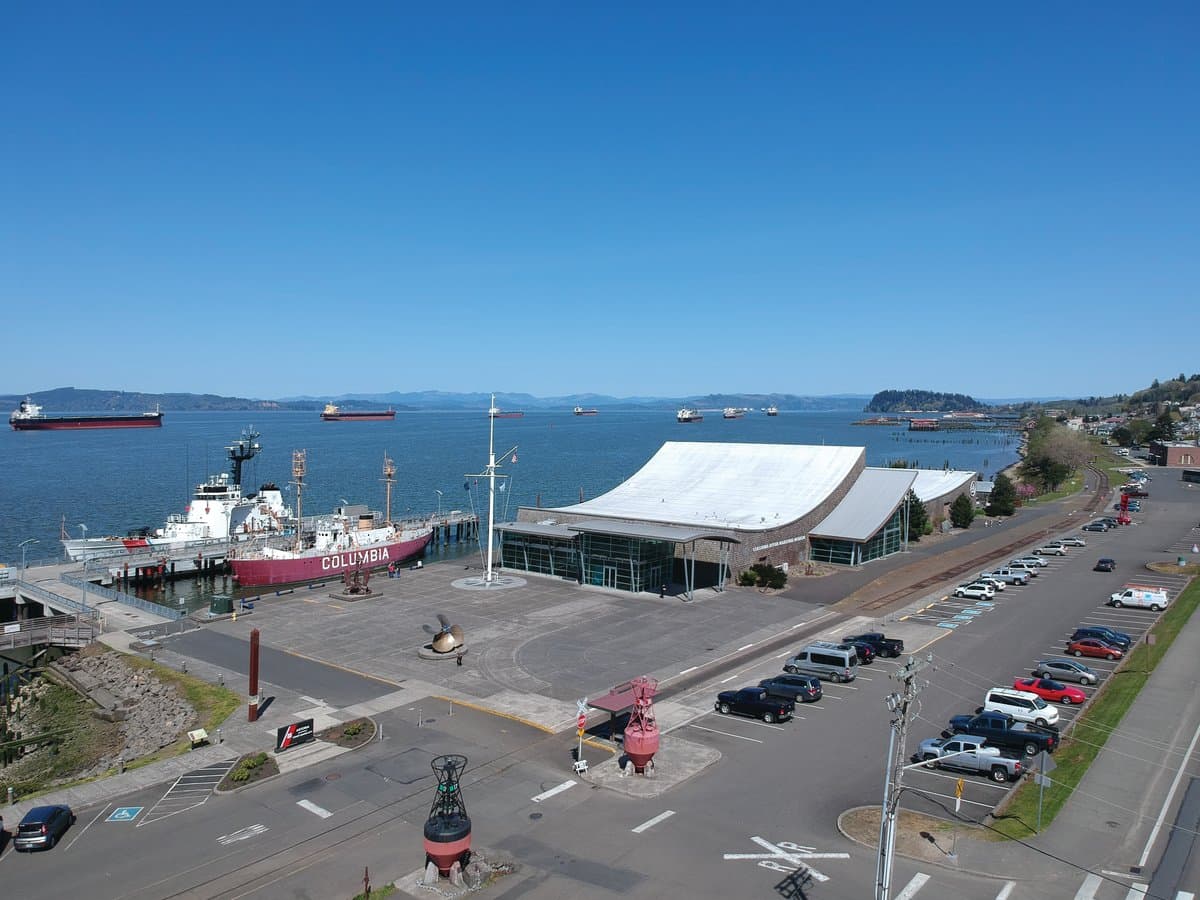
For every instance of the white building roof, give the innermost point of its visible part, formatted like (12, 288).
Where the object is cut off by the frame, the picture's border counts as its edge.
(716, 485)
(868, 504)
(934, 483)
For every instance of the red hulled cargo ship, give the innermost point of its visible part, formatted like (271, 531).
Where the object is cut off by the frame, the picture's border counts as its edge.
(28, 417)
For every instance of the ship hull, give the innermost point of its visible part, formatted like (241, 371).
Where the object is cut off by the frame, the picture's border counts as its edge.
(320, 566)
(382, 416)
(77, 423)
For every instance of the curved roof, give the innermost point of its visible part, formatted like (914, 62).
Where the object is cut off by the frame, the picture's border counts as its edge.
(716, 485)
(934, 483)
(868, 505)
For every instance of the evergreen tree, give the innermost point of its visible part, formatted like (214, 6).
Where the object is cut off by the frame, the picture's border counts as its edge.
(1003, 499)
(918, 517)
(962, 511)
(1163, 429)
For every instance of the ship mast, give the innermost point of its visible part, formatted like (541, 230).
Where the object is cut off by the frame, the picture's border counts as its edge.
(242, 450)
(491, 476)
(389, 478)
(298, 468)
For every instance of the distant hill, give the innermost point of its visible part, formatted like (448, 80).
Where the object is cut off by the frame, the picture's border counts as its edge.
(75, 400)
(932, 401)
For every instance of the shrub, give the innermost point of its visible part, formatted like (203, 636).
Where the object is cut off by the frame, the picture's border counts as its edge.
(353, 729)
(747, 579)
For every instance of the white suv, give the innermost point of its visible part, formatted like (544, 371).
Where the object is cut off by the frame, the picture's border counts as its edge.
(1024, 706)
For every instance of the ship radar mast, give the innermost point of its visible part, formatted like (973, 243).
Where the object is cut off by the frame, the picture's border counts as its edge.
(491, 475)
(389, 478)
(242, 450)
(299, 466)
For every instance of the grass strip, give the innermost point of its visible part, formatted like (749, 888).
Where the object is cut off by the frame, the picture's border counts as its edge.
(1108, 707)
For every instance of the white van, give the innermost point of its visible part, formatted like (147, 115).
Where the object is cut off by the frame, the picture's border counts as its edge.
(1024, 706)
(833, 662)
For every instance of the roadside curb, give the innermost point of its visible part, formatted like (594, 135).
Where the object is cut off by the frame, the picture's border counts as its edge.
(280, 773)
(494, 712)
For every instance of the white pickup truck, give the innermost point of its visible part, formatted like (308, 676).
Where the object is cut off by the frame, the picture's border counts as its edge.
(1140, 595)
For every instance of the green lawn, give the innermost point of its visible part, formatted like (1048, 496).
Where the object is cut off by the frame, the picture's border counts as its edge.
(1092, 728)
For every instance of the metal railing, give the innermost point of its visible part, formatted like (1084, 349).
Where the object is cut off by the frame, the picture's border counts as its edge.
(49, 597)
(62, 631)
(164, 612)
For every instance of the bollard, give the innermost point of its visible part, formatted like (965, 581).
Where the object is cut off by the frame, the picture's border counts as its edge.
(220, 739)
(121, 764)
(11, 801)
(185, 667)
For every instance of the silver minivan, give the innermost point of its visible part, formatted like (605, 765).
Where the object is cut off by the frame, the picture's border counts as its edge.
(833, 662)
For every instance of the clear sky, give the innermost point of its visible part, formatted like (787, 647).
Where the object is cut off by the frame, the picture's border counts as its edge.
(273, 199)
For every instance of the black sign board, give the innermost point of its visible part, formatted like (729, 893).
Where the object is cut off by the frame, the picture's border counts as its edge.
(290, 735)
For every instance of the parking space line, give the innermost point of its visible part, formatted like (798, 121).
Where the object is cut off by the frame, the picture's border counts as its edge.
(546, 795)
(910, 889)
(1087, 890)
(650, 823)
(85, 828)
(1006, 890)
(726, 733)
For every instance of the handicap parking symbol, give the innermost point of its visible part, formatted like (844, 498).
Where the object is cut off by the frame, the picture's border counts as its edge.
(124, 814)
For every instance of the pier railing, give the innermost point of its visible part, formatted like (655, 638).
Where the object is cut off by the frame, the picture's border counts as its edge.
(61, 631)
(55, 600)
(155, 609)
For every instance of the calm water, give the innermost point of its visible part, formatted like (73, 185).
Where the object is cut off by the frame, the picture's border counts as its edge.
(115, 480)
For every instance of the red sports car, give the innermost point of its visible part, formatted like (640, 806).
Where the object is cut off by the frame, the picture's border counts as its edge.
(1094, 647)
(1054, 691)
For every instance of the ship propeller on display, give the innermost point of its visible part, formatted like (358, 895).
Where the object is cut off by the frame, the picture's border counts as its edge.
(446, 638)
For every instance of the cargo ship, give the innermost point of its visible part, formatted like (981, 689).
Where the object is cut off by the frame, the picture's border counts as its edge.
(28, 416)
(505, 414)
(689, 415)
(734, 412)
(580, 411)
(333, 414)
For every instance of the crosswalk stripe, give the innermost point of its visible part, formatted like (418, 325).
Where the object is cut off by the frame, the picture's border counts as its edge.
(546, 795)
(1137, 892)
(1185, 895)
(1087, 890)
(1006, 890)
(910, 889)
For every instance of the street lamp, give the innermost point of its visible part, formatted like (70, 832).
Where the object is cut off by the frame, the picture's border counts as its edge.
(23, 545)
(439, 493)
(86, 560)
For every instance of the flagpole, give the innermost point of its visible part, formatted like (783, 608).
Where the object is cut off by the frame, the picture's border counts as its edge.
(491, 476)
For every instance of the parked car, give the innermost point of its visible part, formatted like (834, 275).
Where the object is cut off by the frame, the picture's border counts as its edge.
(1047, 689)
(1095, 647)
(967, 753)
(975, 591)
(42, 827)
(1140, 597)
(798, 688)
(1002, 730)
(1031, 571)
(1134, 490)
(1031, 560)
(1108, 635)
(1109, 521)
(1066, 670)
(755, 702)
(884, 646)
(1104, 564)
(1006, 574)
(1135, 506)
(866, 653)
(1051, 550)
(1096, 526)
(1021, 705)
(1073, 541)
(996, 584)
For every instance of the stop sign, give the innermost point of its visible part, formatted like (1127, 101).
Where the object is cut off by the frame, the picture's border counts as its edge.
(581, 720)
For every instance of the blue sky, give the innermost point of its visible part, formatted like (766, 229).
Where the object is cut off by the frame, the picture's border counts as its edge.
(276, 199)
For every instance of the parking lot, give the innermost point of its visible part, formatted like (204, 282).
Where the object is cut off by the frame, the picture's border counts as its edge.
(946, 627)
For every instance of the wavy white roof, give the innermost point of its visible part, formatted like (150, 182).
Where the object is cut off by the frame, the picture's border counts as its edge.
(713, 485)
(934, 483)
(868, 505)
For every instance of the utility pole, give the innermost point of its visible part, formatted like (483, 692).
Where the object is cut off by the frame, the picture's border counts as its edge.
(900, 705)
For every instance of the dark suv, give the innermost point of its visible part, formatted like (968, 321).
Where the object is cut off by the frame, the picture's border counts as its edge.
(1117, 639)
(42, 827)
(799, 688)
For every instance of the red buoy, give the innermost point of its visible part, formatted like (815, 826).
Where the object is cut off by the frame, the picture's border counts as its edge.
(641, 734)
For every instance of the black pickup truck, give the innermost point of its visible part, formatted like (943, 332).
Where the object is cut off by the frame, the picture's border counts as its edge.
(884, 646)
(756, 702)
(1002, 730)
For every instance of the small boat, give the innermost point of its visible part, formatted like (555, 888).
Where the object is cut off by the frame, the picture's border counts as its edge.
(689, 415)
(217, 515)
(349, 540)
(28, 416)
(334, 414)
(772, 411)
(580, 411)
(734, 412)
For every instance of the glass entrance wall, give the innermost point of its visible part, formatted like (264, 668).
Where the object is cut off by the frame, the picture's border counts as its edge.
(626, 563)
(887, 540)
(534, 553)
